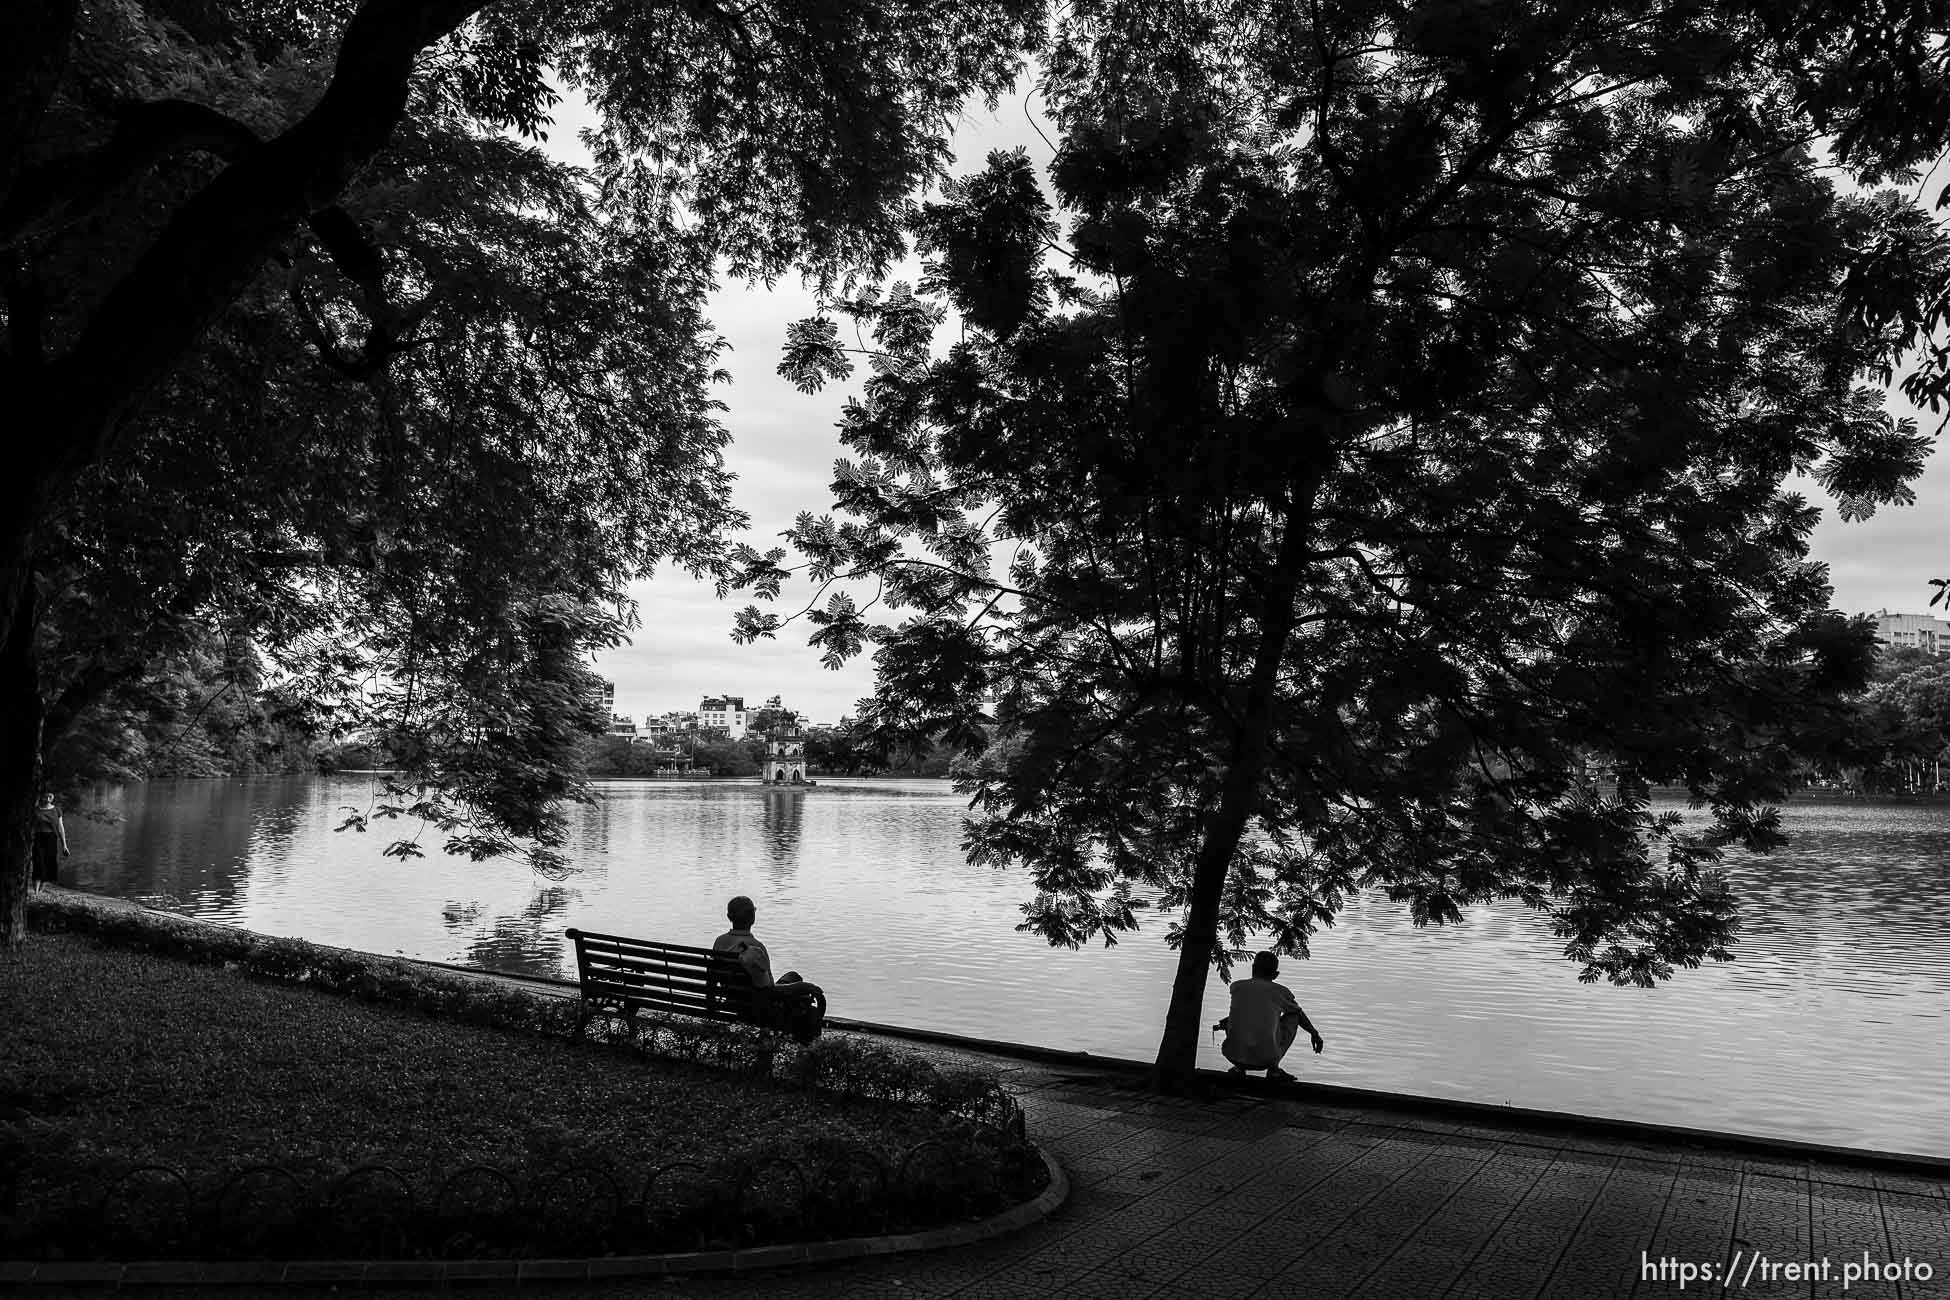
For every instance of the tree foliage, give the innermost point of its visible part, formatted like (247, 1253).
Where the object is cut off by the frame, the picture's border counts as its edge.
(1906, 713)
(424, 527)
(382, 385)
(204, 709)
(1362, 466)
(839, 751)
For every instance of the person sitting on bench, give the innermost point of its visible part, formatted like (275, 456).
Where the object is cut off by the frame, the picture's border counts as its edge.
(1263, 1022)
(794, 998)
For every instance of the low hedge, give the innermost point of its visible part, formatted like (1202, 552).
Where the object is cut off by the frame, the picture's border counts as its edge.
(839, 1064)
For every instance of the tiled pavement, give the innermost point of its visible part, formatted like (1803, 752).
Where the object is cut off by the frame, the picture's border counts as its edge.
(1252, 1195)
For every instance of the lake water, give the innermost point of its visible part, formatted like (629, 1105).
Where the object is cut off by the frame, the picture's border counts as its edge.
(1833, 1024)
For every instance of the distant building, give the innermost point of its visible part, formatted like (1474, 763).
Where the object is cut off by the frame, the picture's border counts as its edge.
(726, 712)
(605, 692)
(785, 756)
(1913, 632)
(673, 762)
(623, 727)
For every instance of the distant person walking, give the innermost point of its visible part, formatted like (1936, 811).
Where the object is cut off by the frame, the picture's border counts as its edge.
(50, 843)
(794, 1005)
(1263, 1022)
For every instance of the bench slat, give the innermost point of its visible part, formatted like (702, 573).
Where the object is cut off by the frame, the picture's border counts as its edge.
(623, 943)
(695, 1006)
(720, 969)
(674, 978)
(692, 967)
(648, 983)
(615, 971)
(635, 960)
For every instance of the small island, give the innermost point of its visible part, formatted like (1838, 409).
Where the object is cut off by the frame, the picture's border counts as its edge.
(785, 754)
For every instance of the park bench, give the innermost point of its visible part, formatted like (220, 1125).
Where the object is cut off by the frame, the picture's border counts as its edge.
(619, 976)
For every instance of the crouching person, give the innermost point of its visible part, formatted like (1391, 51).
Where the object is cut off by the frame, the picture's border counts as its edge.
(1263, 1022)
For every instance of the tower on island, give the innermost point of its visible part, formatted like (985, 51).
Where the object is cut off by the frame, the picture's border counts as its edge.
(785, 753)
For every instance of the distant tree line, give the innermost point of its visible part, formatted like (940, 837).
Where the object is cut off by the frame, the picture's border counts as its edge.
(202, 710)
(845, 750)
(207, 710)
(1899, 728)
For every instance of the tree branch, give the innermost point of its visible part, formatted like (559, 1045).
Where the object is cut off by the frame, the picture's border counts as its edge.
(314, 330)
(360, 260)
(87, 686)
(355, 255)
(222, 237)
(55, 193)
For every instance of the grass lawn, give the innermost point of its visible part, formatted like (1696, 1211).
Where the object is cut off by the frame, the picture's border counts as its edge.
(116, 1059)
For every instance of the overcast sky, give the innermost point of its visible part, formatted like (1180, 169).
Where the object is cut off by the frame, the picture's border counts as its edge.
(784, 445)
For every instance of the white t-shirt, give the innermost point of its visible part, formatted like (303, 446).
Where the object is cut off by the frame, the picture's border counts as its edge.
(1253, 1025)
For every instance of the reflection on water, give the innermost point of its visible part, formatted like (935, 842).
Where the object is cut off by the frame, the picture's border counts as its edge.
(785, 814)
(526, 943)
(1829, 1027)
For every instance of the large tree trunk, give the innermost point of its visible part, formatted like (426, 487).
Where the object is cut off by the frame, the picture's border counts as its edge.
(1177, 1059)
(20, 765)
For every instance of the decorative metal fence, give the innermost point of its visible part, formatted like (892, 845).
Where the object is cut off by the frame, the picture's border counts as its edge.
(481, 1211)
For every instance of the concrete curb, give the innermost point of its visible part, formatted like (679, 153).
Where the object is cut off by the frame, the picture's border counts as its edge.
(527, 1272)
(1216, 1082)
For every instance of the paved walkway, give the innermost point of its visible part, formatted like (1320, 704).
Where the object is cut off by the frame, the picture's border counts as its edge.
(1252, 1195)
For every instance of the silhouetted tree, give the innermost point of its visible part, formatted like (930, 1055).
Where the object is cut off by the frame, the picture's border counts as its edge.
(1396, 443)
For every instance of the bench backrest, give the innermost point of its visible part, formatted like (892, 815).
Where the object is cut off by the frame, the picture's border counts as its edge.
(669, 976)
